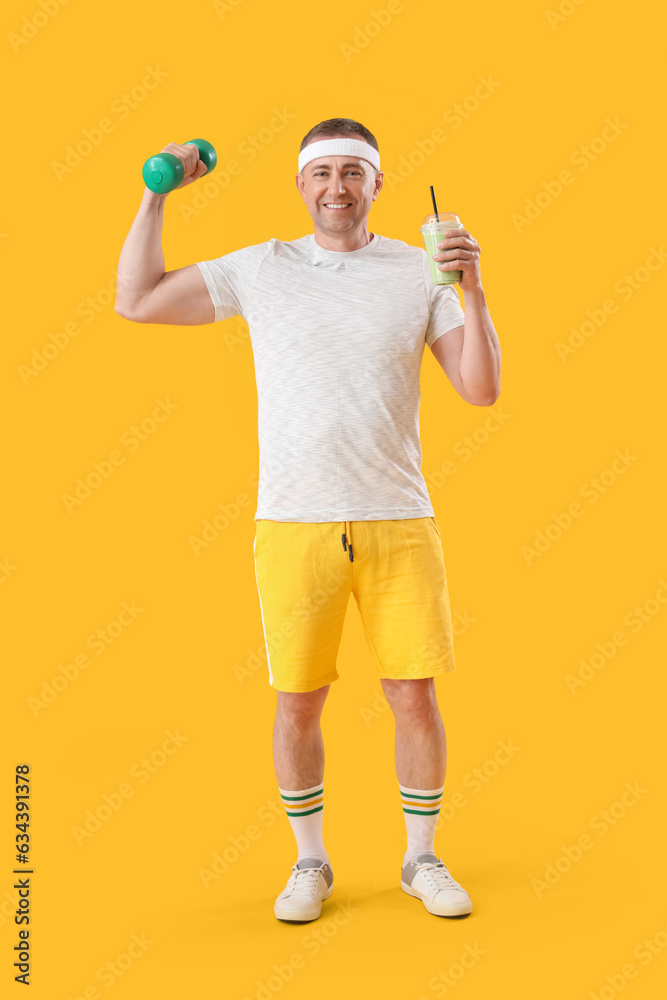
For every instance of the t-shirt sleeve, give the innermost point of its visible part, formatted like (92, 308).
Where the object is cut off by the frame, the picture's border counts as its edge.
(230, 279)
(445, 312)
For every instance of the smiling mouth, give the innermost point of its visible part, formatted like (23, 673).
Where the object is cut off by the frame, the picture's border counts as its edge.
(338, 206)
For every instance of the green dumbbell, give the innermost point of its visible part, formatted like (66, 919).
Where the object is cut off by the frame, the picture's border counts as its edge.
(164, 172)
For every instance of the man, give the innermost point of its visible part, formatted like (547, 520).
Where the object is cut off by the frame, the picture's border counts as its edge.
(338, 322)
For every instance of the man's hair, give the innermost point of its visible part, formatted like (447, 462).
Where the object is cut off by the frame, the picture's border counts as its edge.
(339, 126)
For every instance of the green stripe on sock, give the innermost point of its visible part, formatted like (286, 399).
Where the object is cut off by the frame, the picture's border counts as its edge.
(300, 798)
(409, 795)
(305, 812)
(422, 812)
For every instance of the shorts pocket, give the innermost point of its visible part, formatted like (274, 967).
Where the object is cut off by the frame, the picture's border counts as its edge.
(435, 525)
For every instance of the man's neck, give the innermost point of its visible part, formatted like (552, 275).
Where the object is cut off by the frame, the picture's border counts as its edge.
(343, 243)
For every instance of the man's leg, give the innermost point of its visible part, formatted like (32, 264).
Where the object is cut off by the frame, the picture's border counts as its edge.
(421, 746)
(303, 583)
(298, 756)
(421, 758)
(298, 748)
(401, 589)
(421, 761)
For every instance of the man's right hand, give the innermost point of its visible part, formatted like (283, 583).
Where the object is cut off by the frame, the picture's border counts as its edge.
(193, 167)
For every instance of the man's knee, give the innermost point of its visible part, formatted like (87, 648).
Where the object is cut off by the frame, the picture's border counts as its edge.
(300, 709)
(411, 696)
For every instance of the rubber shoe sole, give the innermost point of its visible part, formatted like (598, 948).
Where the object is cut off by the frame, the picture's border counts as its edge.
(303, 915)
(441, 909)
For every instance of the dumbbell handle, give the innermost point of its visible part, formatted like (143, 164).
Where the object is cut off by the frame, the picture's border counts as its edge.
(164, 172)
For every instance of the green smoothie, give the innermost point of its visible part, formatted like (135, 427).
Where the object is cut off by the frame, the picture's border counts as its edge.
(432, 233)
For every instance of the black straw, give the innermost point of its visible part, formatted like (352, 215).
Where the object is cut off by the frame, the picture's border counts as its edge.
(435, 207)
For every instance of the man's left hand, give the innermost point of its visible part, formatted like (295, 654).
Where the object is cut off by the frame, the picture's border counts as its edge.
(460, 252)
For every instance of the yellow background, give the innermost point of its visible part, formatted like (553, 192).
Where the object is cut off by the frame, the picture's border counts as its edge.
(172, 669)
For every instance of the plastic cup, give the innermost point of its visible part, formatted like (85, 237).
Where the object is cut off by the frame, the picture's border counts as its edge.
(432, 233)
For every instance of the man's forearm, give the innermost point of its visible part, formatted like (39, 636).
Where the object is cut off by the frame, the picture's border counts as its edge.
(479, 364)
(141, 262)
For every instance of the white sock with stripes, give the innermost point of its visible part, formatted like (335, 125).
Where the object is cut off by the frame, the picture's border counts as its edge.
(304, 811)
(421, 809)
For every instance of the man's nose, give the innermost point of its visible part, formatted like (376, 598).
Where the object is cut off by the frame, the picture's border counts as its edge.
(336, 183)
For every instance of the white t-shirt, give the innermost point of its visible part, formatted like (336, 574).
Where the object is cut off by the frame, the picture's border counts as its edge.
(338, 340)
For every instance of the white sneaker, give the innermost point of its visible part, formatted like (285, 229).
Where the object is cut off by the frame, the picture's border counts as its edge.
(310, 883)
(427, 878)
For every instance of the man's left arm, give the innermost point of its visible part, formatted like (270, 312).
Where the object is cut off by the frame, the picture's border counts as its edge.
(469, 354)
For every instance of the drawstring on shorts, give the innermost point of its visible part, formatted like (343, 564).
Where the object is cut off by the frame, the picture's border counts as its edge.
(346, 539)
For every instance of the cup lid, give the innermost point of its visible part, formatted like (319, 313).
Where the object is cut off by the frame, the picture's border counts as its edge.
(446, 217)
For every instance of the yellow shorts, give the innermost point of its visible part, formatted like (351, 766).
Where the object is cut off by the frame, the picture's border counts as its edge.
(305, 572)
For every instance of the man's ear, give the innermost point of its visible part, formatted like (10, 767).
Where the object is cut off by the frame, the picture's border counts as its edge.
(299, 183)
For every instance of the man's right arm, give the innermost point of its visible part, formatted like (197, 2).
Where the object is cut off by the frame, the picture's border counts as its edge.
(145, 293)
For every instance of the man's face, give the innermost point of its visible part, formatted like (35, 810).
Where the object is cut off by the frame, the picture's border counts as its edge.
(339, 180)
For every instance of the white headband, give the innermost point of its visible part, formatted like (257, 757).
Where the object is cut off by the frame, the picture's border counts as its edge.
(339, 147)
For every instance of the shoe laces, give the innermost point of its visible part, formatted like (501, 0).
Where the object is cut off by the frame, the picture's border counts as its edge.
(437, 875)
(303, 881)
